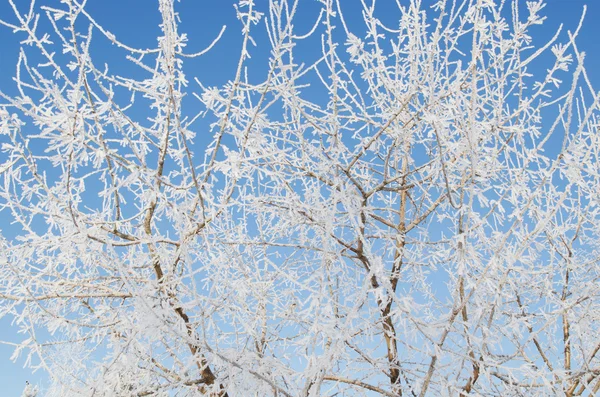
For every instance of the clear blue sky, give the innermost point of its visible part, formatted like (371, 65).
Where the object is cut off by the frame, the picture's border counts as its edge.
(135, 22)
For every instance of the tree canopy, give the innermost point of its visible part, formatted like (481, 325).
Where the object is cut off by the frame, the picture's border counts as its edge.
(366, 207)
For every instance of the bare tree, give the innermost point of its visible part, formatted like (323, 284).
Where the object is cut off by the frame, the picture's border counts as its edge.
(412, 211)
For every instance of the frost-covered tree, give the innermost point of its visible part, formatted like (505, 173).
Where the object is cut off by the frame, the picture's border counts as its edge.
(395, 210)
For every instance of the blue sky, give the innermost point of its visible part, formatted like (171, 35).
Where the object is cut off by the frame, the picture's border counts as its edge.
(135, 22)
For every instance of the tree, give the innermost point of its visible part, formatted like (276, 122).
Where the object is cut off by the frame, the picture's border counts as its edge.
(414, 211)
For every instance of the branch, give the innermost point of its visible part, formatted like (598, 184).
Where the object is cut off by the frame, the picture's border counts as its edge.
(359, 384)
